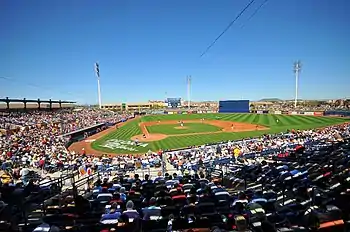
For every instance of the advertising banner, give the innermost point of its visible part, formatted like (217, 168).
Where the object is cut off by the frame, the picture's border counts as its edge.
(278, 112)
(285, 112)
(309, 113)
(265, 112)
(170, 112)
(318, 113)
(294, 112)
(259, 112)
(199, 111)
(184, 112)
(301, 112)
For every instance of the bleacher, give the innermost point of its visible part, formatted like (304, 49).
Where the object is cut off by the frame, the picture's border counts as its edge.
(306, 190)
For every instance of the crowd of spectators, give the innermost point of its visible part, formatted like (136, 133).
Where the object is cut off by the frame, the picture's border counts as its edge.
(193, 158)
(62, 121)
(301, 106)
(36, 141)
(36, 144)
(198, 198)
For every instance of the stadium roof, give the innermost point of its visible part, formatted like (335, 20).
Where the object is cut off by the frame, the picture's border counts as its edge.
(34, 101)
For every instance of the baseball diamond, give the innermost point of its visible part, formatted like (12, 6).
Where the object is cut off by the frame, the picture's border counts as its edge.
(155, 132)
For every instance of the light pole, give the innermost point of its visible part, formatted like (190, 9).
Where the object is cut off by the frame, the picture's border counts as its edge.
(297, 69)
(189, 92)
(97, 71)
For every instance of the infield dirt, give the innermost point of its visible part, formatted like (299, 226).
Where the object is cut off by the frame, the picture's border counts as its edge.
(226, 126)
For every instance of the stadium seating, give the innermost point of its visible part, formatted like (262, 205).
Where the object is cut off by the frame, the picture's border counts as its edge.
(305, 192)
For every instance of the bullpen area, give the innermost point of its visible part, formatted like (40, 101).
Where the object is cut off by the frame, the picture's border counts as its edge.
(167, 132)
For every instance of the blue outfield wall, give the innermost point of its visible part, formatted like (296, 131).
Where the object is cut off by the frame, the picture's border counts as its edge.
(344, 113)
(234, 106)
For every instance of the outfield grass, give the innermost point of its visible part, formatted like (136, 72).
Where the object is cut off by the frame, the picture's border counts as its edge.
(125, 132)
(173, 129)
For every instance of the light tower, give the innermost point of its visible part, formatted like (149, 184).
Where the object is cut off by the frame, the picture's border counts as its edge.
(189, 92)
(297, 69)
(97, 71)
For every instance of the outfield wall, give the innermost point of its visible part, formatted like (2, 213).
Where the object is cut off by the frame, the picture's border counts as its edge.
(344, 113)
(234, 106)
(309, 113)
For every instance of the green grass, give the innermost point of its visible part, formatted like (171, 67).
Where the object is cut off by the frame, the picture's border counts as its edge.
(124, 133)
(169, 129)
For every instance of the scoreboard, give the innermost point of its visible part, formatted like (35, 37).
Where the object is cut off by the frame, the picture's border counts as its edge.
(173, 102)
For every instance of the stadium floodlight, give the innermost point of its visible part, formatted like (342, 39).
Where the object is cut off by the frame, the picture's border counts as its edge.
(97, 71)
(297, 69)
(189, 92)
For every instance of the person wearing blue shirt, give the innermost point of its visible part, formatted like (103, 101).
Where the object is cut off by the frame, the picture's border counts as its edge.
(122, 194)
(111, 217)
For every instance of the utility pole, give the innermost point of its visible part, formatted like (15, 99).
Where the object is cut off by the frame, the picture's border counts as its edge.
(97, 71)
(297, 69)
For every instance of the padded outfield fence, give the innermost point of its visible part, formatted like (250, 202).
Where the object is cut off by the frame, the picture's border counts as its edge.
(234, 106)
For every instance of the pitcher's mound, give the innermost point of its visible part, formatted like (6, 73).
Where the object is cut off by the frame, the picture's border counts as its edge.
(180, 127)
(149, 138)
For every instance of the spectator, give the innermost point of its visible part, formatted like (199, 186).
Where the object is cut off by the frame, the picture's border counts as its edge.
(130, 211)
(152, 210)
(112, 216)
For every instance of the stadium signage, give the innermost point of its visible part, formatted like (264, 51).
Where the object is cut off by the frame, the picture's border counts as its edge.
(309, 113)
(123, 144)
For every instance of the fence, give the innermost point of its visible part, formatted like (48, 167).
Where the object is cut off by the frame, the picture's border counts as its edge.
(343, 113)
(309, 113)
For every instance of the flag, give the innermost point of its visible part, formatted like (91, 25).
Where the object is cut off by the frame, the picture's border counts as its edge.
(97, 70)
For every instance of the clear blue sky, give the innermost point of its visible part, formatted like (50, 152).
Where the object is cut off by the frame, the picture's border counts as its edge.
(147, 47)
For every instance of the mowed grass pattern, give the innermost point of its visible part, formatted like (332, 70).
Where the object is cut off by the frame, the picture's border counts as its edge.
(285, 122)
(173, 129)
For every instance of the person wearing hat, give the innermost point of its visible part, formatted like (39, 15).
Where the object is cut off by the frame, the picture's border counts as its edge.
(152, 210)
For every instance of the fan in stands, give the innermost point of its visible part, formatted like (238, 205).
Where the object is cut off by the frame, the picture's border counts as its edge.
(237, 186)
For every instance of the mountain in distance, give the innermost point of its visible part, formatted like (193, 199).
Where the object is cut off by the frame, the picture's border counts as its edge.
(270, 100)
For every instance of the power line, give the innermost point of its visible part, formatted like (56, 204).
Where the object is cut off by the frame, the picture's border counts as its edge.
(228, 27)
(39, 87)
(255, 12)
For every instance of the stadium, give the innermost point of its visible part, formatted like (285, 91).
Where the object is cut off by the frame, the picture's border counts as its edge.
(259, 143)
(166, 141)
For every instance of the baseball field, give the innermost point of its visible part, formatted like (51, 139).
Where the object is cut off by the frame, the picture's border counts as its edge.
(156, 132)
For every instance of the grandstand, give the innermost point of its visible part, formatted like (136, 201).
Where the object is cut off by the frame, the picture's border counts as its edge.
(292, 181)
